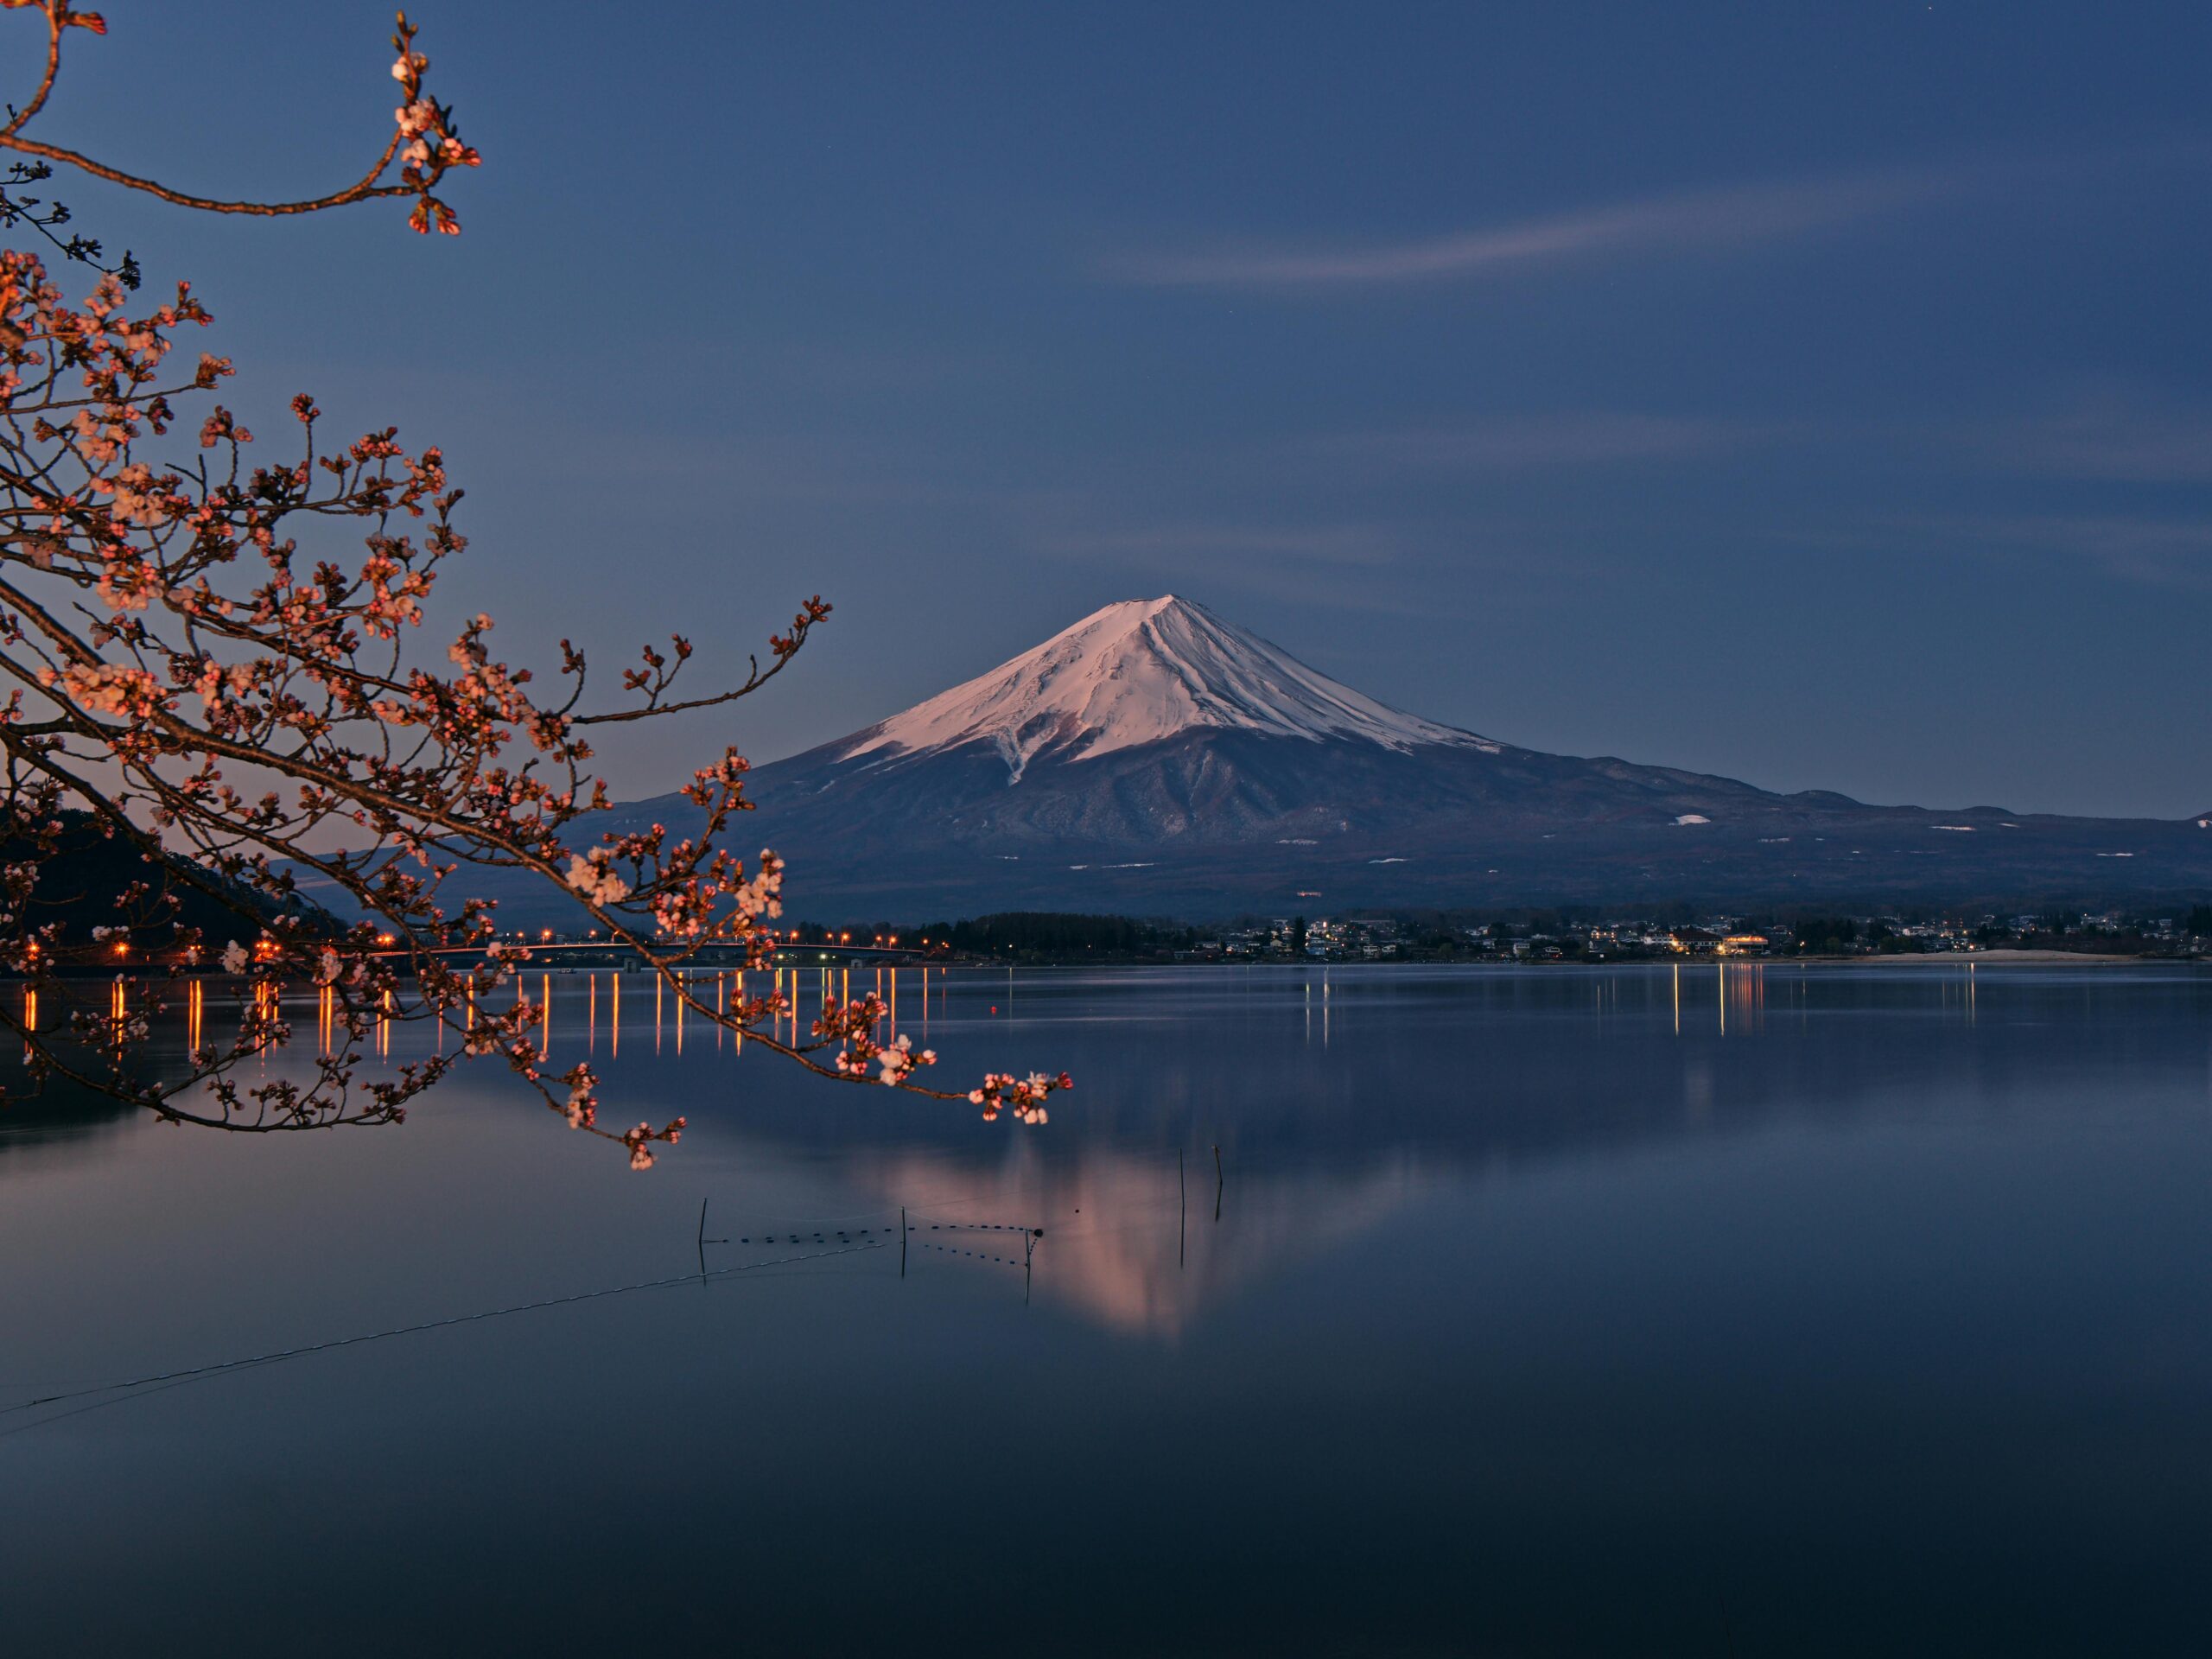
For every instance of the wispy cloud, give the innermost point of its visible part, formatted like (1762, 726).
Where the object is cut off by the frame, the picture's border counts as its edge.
(1709, 221)
(1325, 544)
(1571, 440)
(1407, 569)
(2112, 438)
(1701, 219)
(2168, 552)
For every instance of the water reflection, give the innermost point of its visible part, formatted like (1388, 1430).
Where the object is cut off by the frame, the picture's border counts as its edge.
(1317, 1158)
(1341, 1101)
(1877, 1320)
(801, 995)
(1124, 1249)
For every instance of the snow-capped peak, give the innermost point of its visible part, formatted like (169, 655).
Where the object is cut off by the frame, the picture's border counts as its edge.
(1140, 672)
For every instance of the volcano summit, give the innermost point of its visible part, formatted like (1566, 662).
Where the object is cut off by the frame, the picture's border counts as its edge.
(1156, 759)
(1144, 672)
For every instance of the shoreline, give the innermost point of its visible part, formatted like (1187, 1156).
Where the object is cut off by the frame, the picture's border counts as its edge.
(2000, 957)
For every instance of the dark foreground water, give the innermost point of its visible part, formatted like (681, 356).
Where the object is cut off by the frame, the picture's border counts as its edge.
(1849, 1312)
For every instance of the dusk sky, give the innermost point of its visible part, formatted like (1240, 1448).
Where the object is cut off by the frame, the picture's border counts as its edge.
(1817, 394)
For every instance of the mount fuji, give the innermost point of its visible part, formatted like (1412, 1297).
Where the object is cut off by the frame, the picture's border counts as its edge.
(1156, 759)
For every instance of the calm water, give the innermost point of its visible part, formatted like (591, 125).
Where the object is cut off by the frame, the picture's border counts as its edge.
(1544, 1313)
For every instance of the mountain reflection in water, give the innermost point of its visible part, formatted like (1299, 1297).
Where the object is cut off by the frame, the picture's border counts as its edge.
(1808, 1311)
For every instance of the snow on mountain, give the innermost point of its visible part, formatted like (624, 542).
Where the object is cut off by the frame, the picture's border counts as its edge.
(1139, 671)
(1154, 760)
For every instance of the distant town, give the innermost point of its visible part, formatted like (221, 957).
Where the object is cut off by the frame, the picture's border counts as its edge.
(1540, 937)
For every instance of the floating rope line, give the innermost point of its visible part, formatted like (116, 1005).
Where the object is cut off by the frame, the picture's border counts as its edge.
(843, 1235)
(810, 1223)
(977, 1227)
(807, 1222)
(432, 1325)
(973, 1255)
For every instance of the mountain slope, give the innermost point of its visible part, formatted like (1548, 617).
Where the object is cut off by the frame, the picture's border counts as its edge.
(1140, 672)
(1154, 759)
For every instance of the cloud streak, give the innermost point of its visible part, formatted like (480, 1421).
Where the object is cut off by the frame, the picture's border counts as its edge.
(2108, 440)
(1325, 545)
(1569, 440)
(1698, 221)
(2167, 552)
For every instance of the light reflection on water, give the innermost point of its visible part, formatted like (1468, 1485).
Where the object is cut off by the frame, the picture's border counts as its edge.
(1662, 1309)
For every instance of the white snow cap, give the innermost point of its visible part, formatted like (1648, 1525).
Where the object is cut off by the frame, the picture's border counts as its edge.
(1140, 672)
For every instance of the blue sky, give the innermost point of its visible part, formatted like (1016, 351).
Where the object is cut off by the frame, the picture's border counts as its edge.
(1819, 394)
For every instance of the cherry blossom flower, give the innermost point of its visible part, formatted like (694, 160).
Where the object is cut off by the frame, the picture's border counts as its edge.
(591, 876)
(204, 671)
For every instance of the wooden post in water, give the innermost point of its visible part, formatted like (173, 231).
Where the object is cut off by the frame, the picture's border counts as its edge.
(1216, 1181)
(902, 1241)
(704, 1241)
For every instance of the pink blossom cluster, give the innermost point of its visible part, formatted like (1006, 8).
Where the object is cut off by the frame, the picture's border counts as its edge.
(592, 876)
(243, 711)
(582, 1106)
(640, 1139)
(1025, 1097)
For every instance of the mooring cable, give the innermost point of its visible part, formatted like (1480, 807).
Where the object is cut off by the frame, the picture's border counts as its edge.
(190, 1372)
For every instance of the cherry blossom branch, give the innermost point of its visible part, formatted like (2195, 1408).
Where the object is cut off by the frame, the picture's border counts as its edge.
(57, 19)
(424, 138)
(164, 639)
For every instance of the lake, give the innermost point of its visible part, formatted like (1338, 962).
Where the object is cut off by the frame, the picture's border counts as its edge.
(1758, 1310)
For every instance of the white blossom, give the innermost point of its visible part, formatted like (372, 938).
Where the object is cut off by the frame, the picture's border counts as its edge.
(592, 877)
